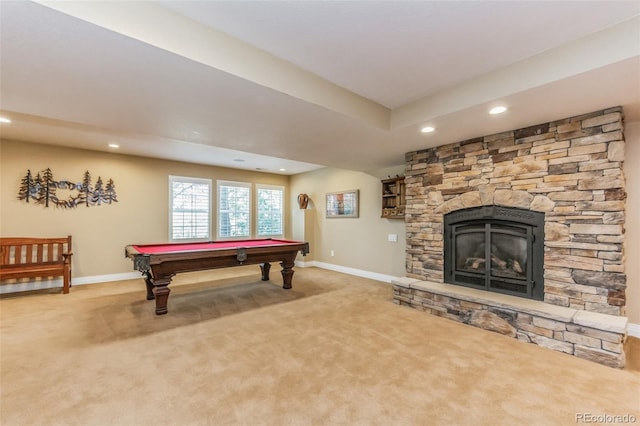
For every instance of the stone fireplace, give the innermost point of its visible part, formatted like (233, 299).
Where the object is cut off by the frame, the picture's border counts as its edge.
(564, 181)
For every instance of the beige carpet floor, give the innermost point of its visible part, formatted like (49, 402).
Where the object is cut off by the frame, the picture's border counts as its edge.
(334, 350)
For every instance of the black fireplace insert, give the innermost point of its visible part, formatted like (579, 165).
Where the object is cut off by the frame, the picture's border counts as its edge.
(494, 248)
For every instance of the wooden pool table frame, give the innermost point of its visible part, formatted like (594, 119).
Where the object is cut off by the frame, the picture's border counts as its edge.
(160, 267)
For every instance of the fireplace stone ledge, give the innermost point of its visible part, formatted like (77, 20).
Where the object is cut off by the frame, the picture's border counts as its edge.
(590, 335)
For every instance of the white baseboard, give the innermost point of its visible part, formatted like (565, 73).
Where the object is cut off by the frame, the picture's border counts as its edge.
(96, 279)
(351, 271)
(30, 285)
(633, 330)
(57, 283)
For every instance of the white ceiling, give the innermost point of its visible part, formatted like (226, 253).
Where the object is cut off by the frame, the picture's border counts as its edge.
(304, 84)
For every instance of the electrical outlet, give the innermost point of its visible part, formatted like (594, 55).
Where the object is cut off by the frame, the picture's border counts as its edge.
(332, 254)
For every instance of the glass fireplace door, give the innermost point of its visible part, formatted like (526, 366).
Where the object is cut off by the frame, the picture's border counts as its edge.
(493, 257)
(509, 255)
(470, 255)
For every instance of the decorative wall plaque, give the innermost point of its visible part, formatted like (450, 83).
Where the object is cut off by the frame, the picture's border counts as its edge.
(43, 189)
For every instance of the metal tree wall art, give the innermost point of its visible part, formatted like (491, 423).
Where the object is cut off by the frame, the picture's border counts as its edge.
(43, 190)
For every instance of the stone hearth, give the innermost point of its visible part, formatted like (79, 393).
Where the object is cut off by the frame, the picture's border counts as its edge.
(589, 335)
(571, 170)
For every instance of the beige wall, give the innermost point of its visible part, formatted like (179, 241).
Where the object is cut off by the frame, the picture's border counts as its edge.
(632, 234)
(100, 233)
(360, 243)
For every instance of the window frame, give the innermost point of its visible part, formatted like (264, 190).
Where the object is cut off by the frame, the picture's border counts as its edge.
(248, 185)
(282, 210)
(194, 180)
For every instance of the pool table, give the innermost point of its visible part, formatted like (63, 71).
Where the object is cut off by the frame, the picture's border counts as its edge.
(160, 262)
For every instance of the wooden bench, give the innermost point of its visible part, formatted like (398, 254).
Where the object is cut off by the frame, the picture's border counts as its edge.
(36, 258)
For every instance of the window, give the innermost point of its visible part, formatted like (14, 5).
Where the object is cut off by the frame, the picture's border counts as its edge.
(270, 210)
(190, 208)
(234, 209)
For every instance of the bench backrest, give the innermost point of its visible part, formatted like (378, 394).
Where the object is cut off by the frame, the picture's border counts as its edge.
(25, 251)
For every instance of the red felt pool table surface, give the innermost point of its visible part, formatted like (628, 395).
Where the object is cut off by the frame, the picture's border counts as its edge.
(211, 245)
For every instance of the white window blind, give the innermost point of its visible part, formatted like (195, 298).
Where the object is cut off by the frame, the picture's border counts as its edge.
(190, 208)
(270, 210)
(234, 209)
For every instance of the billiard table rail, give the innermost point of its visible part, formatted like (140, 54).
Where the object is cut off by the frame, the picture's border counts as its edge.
(142, 261)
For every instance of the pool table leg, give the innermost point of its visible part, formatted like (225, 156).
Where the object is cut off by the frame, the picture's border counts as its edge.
(287, 273)
(162, 291)
(158, 289)
(264, 268)
(149, 282)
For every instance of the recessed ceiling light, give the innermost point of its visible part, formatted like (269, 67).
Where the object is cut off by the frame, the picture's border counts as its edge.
(238, 160)
(283, 170)
(427, 129)
(497, 110)
(5, 120)
(114, 145)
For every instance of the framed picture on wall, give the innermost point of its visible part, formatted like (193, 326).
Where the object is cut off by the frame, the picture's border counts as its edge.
(342, 204)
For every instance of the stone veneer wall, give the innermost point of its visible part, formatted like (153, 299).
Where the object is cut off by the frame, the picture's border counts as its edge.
(571, 169)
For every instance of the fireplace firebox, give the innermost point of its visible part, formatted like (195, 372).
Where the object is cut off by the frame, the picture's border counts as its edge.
(494, 248)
